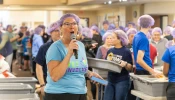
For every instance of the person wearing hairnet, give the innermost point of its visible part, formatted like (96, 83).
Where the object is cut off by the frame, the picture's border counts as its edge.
(167, 33)
(141, 48)
(168, 71)
(171, 42)
(65, 76)
(159, 43)
(41, 66)
(119, 83)
(36, 44)
(105, 27)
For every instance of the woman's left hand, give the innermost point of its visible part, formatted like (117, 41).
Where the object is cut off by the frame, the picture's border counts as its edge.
(90, 74)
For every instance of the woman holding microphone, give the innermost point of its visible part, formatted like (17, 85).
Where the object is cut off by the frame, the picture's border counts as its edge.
(65, 79)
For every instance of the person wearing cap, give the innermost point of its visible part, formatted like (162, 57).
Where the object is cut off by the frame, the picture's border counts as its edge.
(24, 42)
(171, 42)
(141, 48)
(41, 66)
(105, 28)
(65, 77)
(96, 37)
(45, 35)
(167, 33)
(159, 43)
(36, 44)
(119, 83)
(168, 70)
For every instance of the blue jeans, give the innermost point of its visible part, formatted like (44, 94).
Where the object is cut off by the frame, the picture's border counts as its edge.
(117, 91)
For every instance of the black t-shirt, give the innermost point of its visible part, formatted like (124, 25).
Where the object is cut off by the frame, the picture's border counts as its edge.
(118, 54)
(98, 39)
(45, 37)
(21, 35)
(40, 58)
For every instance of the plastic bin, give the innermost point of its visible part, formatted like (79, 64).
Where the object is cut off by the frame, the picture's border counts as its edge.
(104, 65)
(26, 80)
(15, 89)
(6, 84)
(102, 73)
(149, 85)
(19, 97)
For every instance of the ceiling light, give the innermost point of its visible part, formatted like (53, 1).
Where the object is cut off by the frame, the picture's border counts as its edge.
(105, 3)
(109, 2)
(122, 0)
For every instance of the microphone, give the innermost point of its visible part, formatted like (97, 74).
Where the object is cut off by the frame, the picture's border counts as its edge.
(73, 37)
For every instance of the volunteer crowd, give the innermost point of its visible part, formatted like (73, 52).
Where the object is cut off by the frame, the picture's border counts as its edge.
(137, 47)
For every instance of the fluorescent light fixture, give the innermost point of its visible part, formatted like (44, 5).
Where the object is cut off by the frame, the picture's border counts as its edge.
(109, 2)
(123, 0)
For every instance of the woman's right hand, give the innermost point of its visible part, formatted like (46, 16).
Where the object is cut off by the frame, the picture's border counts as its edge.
(72, 45)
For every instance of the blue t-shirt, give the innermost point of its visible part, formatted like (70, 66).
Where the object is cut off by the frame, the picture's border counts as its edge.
(118, 54)
(74, 80)
(24, 44)
(140, 42)
(169, 57)
(41, 59)
(36, 44)
(102, 32)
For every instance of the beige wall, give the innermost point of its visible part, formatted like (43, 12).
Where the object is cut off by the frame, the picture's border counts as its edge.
(30, 17)
(112, 15)
(160, 8)
(92, 15)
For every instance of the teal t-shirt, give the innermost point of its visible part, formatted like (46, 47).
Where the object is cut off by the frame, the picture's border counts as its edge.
(74, 80)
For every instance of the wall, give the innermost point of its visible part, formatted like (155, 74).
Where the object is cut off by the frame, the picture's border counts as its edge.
(112, 16)
(92, 15)
(159, 8)
(30, 17)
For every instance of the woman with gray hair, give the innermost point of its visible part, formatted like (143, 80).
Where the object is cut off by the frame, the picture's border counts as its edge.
(159, 43)
(119, 83)
(65, 78)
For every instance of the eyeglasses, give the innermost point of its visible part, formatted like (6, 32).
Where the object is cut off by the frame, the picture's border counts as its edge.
(69, 24)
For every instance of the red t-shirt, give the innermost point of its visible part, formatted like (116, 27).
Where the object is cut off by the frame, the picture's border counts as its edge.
(153, 53)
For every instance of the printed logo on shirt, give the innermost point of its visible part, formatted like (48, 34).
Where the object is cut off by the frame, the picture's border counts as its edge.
(113, 57)
(79, 65)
